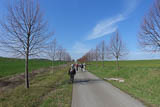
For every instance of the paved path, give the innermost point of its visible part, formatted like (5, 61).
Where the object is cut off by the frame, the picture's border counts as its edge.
(90, 91)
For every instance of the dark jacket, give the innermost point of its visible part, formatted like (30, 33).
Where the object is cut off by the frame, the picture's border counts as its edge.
(72, 72)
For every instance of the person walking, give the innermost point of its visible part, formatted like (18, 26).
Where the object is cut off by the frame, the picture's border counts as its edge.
(81, 67)
(72, 72)
(76, 67)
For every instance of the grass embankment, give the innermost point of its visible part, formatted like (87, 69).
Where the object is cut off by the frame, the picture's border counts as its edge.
(142, 78)
(48, 89)
(11, 66)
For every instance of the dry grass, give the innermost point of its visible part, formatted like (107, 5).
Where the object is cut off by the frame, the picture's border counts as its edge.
(46, 90)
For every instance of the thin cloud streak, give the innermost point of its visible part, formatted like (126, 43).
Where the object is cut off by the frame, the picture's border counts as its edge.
(131, 6)
(109, 26)
(105, 27)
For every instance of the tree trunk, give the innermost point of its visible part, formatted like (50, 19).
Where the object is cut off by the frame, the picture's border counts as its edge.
(26, 71)
(103, 60)
(97, 62)
(52, 64)
(26, 63)
(103, 63)
(117, 64)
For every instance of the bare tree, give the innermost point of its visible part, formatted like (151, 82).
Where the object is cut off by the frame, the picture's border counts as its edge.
(97, 55)
(60, 53)
(102, 51)
(90, 55)
(57, 52)
(66, 56)
(64, 53)
(25, 30)
(52, 49)
(117, 48)
(149, 36)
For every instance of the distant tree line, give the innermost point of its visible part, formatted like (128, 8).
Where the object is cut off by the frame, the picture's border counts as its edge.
(57, 52)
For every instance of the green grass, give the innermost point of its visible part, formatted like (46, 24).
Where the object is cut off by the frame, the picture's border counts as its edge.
(11, 66)
(48, 89)
(142, 78)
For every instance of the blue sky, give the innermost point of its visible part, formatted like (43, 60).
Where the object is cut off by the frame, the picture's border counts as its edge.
(80, 25)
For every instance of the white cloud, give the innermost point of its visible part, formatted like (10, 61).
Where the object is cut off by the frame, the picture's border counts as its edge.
(109, 26)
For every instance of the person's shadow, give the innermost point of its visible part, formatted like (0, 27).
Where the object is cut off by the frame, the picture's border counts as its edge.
(86, 81)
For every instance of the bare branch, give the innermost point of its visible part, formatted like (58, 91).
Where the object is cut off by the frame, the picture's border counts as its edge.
(149, 36)
(117, 48)
(25, 30)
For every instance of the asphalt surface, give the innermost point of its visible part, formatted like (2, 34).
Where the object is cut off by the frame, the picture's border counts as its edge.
(90, 91)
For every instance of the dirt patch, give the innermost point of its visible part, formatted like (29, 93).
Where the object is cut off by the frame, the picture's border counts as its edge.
(11, 82)
(4, 83)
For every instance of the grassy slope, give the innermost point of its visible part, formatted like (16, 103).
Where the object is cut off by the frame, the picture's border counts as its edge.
(50, 89)
(10, 66)
(142, 78)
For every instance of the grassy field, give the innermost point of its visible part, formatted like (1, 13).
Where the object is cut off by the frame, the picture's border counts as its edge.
(11, 66)
(48, 89)
(142, 78)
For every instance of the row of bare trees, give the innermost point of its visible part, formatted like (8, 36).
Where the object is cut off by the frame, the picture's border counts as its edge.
(57, 52)
(148, 38)
(25, 33)
(116, 49)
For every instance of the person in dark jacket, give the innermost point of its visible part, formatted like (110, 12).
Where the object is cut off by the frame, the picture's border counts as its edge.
(72, 72)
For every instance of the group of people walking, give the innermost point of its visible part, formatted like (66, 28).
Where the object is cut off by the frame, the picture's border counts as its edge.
(75, 68)
(81, 67)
